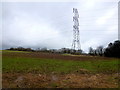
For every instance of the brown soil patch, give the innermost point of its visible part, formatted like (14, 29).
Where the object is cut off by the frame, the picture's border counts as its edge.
(54, 56)
(29, 80)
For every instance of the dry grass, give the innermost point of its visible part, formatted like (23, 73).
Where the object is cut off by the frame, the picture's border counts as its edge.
(30, 80)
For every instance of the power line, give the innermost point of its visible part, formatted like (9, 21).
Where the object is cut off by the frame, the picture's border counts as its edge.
(82, 17)
(81, 30)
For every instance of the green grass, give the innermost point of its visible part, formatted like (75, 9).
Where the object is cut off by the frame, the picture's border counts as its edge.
(38, 65)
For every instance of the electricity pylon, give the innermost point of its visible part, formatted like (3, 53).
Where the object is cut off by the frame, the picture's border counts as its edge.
(76, 38)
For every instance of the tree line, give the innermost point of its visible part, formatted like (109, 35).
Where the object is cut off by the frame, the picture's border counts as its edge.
(62, 50)
(112, 50)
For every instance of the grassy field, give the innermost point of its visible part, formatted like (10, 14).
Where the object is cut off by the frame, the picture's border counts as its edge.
(40, 65)
(17, 62)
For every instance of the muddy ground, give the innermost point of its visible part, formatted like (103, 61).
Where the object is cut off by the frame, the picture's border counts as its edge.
(29, 80)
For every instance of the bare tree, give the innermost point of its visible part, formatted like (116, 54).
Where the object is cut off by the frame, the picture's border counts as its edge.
(91, 51)
(99, 50)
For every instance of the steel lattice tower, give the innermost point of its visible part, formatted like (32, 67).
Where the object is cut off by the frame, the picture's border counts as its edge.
(76, 38)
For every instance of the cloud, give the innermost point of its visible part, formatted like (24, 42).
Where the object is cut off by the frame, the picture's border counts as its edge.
(108, 15)
(112, 30)
(50, 24)
(27, 31)
(90, 3)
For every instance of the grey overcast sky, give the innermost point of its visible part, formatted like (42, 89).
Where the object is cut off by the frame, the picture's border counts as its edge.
(50, 24)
